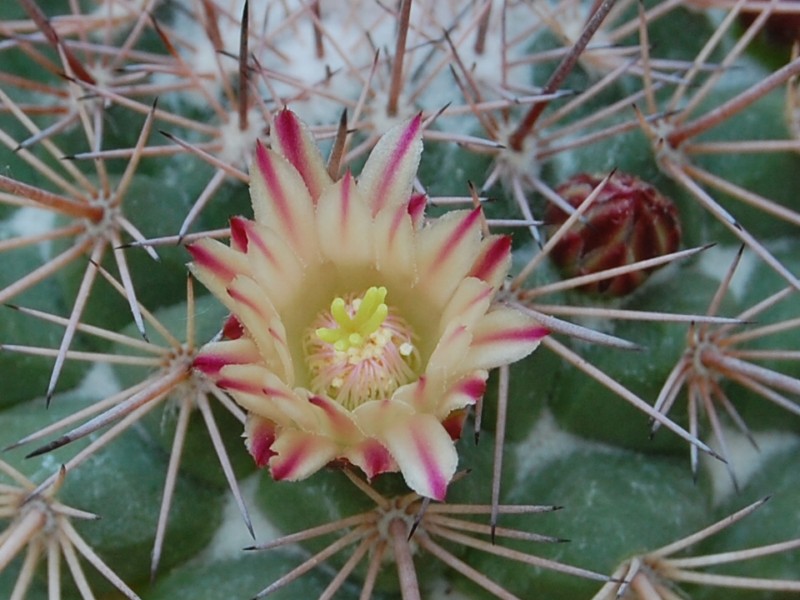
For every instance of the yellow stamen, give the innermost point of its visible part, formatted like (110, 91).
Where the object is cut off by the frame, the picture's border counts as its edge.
(354, 331)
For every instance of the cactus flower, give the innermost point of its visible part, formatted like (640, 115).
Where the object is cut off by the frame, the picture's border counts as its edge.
(359, 332)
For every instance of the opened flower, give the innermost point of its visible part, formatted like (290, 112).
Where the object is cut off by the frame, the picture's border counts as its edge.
(359, 333)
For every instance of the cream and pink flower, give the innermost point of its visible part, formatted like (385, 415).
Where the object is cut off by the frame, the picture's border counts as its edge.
(359, 330)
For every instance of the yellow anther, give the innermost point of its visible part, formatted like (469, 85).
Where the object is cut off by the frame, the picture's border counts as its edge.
(354, 331)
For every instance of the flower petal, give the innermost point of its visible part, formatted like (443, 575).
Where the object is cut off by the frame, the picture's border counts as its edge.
(422, 448)
(259, 436)
(494, 260)
(215, 264)
(416, 209)
(336, 421)
(468, 304)
(454, 423)
(445, 365)
(282, 201)
(425, 453)
(465, 392)
(372, 457)
(449, 355)
(215, 355)
(440, 396)
(389, 172)
(261, 392)
(394, 244)
(299, 454)
(272, 262)
(344, 225)
(446, 251)
(257, 315)
(232, 329)
(291, 137)
(503, 336)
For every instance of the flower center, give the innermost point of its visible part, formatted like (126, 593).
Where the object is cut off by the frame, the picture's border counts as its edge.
(360, 350)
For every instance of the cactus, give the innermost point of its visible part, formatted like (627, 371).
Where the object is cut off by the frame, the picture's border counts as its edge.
(604, 213)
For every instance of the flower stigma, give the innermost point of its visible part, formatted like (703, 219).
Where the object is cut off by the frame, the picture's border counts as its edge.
(360, 350)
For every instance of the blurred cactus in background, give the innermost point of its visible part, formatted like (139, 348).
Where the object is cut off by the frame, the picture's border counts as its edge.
(614, 182)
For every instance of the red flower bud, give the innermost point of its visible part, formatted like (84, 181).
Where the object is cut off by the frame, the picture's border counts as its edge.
(780, 29)
(630, 221)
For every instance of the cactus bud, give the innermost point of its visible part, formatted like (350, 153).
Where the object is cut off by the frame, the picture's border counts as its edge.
(630, 221)
(780, 28)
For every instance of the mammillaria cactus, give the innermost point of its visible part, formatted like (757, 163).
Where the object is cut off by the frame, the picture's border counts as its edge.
(371, 336)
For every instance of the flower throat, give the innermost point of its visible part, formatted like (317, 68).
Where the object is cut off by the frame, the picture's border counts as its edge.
(360, 350)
